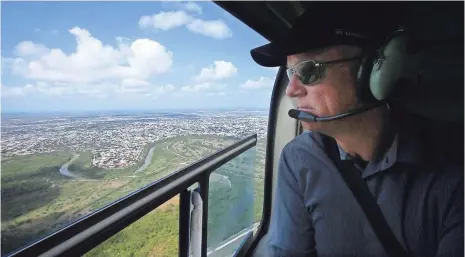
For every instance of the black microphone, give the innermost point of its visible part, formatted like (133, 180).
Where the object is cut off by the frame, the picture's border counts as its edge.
(306, 116)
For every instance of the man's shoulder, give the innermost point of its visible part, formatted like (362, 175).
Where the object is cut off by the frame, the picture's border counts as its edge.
(447, 176)
(308, 143)
(304, 148)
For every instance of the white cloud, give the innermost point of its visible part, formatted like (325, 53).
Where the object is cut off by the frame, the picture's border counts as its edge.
(92, 61)
(192, 7)
(142, 87)
(133, 86)
(219, 70)
(135, 82)
(262, 82)
(216, 28)
(197, 88)
(172, 19)
(99, 90)
(217, 94)
(147, 90)
(39, 88)
(123, 40)
(164, 89)
(165, 20)
(28, 48)
(189, 6)
(208, 89)
(60, 89)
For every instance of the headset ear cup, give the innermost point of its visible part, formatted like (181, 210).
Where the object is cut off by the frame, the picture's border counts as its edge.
(382, 68)
(389, 68)
(363, 90)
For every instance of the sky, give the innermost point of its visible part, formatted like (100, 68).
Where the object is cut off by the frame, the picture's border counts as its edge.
(91, 56)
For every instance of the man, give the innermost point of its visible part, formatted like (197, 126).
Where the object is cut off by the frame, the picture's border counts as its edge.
(314, 213)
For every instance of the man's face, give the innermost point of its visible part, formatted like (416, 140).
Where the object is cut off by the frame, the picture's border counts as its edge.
(333, 94)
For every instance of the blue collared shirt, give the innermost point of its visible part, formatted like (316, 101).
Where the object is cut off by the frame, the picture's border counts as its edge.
(315, 214)
(389, 157)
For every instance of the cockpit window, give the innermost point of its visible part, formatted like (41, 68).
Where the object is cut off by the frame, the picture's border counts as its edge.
(101, 98)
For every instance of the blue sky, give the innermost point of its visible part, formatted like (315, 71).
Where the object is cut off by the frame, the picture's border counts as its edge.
(74, 56)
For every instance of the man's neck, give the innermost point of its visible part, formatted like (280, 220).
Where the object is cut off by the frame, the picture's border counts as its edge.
(365, 137)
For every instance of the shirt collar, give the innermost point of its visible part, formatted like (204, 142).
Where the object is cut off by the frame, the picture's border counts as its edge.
(343, 154)
(405, 148)
(385, 162)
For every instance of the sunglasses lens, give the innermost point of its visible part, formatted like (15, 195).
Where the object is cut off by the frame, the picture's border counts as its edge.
(309, 73)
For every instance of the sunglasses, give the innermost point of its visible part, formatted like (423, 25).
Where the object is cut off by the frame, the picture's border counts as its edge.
(310, 72)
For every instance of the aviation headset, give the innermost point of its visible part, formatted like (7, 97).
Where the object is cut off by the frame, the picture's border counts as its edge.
(384, 65)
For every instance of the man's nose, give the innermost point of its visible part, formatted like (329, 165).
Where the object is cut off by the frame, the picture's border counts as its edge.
(295, 88)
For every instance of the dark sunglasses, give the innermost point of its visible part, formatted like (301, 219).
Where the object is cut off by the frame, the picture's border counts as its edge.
(309, 72)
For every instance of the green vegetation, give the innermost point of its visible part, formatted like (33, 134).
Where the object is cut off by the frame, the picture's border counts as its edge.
(29, 185)
(155, 234)
(37, 199)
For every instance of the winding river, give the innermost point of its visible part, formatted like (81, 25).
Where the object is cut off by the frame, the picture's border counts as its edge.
(148, 160)
(64, 169)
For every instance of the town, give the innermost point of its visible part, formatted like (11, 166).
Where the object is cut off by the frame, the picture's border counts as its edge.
(118, 140)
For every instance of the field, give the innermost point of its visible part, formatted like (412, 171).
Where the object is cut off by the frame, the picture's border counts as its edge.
(37, 199)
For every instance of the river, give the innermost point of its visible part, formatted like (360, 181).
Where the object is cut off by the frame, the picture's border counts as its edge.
(148, 160)
(215, 177)
(64, 169)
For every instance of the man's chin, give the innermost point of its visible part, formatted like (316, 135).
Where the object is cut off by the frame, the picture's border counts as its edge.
(323, 127)
(313, 126)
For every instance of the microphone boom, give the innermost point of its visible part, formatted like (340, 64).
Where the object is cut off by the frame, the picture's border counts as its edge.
(308, 117)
